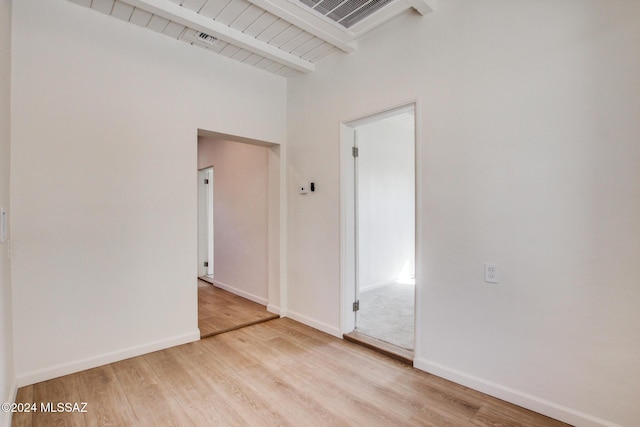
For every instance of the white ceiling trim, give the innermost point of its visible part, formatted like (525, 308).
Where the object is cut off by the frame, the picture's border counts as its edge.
(423, 6)
(173, 12)
(313, 23)
(389, 11)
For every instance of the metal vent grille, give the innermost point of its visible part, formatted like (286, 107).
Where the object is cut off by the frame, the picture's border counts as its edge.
(346, 12)
(206, 38)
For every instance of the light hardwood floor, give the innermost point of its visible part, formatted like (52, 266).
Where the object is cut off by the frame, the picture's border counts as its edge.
(398, 353)
(274, 373)
(221, 311)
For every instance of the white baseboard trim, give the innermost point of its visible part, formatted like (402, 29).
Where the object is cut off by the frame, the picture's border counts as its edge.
(273, 309)
(240, 293)
(103, 359)
(536, 404)
(10, 398)
(314, 324)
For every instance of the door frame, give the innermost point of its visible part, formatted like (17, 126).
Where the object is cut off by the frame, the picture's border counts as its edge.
(348, 262)
(277, 217)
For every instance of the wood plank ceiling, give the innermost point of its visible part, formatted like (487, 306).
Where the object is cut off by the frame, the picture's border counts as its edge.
(279, 36)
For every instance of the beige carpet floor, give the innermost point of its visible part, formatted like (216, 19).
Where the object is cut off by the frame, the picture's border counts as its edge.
(387, 313)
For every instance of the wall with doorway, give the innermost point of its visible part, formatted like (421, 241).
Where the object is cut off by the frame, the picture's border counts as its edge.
(105, 117)
(386, 206)
(528, 157)
(7, 375)
(240, 200)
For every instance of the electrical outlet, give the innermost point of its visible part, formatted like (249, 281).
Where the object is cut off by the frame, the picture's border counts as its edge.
(490, 272)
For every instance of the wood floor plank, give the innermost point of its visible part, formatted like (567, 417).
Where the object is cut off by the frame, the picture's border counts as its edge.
(219, 381)
(23, 419)
(384, 406)
(500, 413)
(239, 392)
(278, 373)
(150, 400)
(291, 398)
(59, 390)
(383, 391)
(385, 348)
(187, 385)
(220, 311)
(107, 402)
(443, 401)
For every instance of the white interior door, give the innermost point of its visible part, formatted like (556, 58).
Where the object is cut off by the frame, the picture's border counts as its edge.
(205, 222)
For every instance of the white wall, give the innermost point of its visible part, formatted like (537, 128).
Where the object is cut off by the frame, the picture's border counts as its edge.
(386, 207)
(240, 203)
(7, 377)
(529, 158)
(104, 173)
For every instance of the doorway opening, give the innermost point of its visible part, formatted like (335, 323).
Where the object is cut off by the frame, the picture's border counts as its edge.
(239, 214)
(379, 245)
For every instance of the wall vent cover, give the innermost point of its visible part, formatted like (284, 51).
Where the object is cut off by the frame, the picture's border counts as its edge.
(346, 12)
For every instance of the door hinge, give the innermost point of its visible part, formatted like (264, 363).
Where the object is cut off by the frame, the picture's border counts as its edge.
(356, 305)
(206, 263)
(354, 151)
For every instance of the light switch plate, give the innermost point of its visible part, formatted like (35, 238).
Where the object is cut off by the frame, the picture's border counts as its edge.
(3, 225)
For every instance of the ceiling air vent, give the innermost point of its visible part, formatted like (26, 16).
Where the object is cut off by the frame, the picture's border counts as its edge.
(346, 12)
(206, 38)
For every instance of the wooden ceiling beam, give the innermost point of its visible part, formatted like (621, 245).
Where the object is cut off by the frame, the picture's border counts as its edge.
(181, 15)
